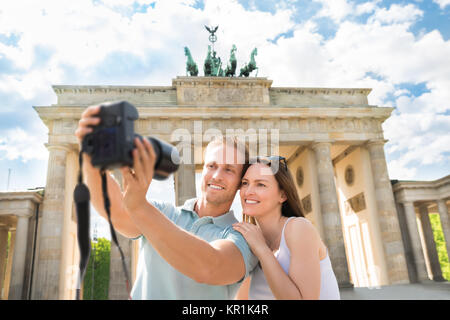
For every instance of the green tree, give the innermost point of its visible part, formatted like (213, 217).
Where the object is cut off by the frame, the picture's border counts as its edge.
(440, 245)
(98, 268)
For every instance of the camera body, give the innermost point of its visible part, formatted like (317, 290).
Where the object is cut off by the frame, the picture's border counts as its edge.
(111, 142)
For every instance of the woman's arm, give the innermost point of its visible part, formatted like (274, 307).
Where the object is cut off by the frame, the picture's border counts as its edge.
(303, 241)
(281, 285)
(303, 280)
(244, 289)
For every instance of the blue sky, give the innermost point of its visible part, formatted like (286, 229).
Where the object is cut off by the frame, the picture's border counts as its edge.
(400, 49)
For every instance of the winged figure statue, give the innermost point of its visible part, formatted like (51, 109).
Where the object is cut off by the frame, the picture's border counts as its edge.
(212, 31)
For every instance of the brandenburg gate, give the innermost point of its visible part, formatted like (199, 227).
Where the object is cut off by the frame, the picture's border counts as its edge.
(332, 139)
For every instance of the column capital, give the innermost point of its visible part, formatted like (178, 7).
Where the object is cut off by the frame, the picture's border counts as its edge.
(407, 202)
(443, 209)
(65, 147)
(24, 214)
(374, 142)
(318, 143)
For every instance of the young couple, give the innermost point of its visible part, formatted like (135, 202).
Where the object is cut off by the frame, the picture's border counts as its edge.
(198, 251)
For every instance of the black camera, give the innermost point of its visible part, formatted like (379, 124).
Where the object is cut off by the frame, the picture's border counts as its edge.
(111, 142)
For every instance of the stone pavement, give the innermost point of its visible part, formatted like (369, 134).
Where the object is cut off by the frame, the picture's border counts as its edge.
(427, 290)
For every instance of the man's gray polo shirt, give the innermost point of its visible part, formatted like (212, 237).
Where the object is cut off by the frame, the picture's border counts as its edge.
(156, 279)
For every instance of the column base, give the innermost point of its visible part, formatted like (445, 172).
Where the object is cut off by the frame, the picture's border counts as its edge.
(345, 285)
(439, 279)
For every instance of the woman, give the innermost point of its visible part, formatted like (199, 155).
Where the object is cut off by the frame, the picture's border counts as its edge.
(294, 262)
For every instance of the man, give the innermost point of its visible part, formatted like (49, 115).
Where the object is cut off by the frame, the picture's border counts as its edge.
(187, 252)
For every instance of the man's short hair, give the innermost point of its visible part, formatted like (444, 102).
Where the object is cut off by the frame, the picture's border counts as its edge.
(239, 145)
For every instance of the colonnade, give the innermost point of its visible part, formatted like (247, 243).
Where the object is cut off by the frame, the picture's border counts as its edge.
(19, 213)
(422, 245)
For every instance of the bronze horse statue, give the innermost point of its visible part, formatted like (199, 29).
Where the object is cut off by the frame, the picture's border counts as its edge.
(230, 70)
(248, 68)
(191, 66)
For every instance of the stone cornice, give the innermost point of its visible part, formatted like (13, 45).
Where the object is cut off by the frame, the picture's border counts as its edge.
(62, 89)
(93, 89)
(436, 184)
(33, 196)
(322, 91)
(187, 112)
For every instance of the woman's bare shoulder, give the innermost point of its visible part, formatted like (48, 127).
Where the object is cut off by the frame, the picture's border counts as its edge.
(299, 228)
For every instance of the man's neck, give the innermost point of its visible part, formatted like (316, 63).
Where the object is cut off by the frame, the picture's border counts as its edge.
(208, 209)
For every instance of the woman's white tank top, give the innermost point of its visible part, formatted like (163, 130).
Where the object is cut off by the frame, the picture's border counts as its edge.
(260, 290)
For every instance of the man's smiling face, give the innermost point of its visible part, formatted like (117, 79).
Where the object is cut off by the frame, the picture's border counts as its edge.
(221, 176)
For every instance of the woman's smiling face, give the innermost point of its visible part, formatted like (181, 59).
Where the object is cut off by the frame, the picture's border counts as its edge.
(259, 192)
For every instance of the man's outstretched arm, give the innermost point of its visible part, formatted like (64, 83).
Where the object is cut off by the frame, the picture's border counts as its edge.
(219, 262)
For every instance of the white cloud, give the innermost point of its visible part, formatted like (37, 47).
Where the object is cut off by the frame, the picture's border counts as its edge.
(17, 144)
(366, 7)
(397, 14)
(420, 139)
(336, 10)
(398, 170)
(442, 3)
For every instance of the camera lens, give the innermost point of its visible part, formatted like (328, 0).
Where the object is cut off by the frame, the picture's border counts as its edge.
(167, 158)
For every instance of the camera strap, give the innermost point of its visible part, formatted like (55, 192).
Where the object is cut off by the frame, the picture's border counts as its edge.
(107, 205)
(82, 198)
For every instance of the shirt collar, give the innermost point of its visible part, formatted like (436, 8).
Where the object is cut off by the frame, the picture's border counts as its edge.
(223, 220)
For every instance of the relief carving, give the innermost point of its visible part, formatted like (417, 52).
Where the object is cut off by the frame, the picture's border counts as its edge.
(355, 204)
(222, 95)
(306, 203)
(349, 125)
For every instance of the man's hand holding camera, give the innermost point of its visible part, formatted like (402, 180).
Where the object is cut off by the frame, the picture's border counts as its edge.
(137, 180)
(88, 119)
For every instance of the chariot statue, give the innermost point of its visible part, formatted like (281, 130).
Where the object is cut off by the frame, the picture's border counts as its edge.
(212, 65)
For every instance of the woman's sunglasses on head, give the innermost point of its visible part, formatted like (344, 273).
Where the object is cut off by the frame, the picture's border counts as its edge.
(270, 160)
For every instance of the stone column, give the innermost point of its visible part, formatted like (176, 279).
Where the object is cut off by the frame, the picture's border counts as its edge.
(315, 198)
(20, 252)
(3, 246)
(413, 230)
(387, 214)
(117, 281)
(445, 222)
(184, 181)
(331, 218)
(374, 225)
(430, 244)
(48, 264)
